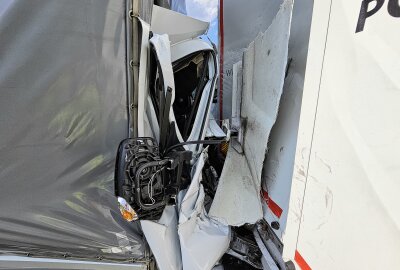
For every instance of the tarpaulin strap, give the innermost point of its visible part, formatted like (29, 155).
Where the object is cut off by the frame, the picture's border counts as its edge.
(301, 262)
(273, 206)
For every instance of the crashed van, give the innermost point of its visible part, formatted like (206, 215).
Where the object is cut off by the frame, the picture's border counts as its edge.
(111, 153)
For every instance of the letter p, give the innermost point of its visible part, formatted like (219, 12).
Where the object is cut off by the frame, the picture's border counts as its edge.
(364, 13)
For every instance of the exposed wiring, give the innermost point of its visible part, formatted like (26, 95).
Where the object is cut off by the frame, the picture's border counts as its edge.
(150, 190)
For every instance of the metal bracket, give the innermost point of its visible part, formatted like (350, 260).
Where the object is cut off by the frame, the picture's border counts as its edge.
(238, 140)
(132, 14)
(267, 233)
(273, 244)
(133, 63)
(245, 250)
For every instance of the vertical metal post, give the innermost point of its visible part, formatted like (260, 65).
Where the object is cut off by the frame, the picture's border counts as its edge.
(134, 14)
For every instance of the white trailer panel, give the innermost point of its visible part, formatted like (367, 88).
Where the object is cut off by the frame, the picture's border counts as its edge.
(344, 206)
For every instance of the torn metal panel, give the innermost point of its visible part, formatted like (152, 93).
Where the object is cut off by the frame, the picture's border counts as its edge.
(236, 193)
(163, 239)
(264, 65)
(183, 49)
(198, 241)
(165, 230)
(237, 96)
(162, 49)
(214, 130)
(237, 123)
(203, 240)
(178, 26)
(278, 166)
(63, 97)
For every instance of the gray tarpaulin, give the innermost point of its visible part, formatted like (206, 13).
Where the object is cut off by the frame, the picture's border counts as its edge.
(63, 111)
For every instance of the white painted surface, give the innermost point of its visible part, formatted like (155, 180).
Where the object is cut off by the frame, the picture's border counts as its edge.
(162, 48)
(183, 49)
(318, 31)
(163, 239)
(196, 241)
(214, 130)
(236, 193)
(237, 88)
(179, 27)
(203, 240)
(347, 166)
(162, 235)
(278, 166)
(264, 65)
(196, 229)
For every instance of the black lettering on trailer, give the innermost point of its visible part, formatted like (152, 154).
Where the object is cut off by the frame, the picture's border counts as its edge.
(394, 8)
(365, 13)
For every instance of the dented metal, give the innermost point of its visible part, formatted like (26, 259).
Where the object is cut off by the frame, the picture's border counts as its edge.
(176, 195)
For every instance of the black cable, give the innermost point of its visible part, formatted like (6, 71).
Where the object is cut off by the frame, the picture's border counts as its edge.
(192, 142)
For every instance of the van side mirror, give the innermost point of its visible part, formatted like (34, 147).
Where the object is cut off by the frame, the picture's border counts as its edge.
(147, 179)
